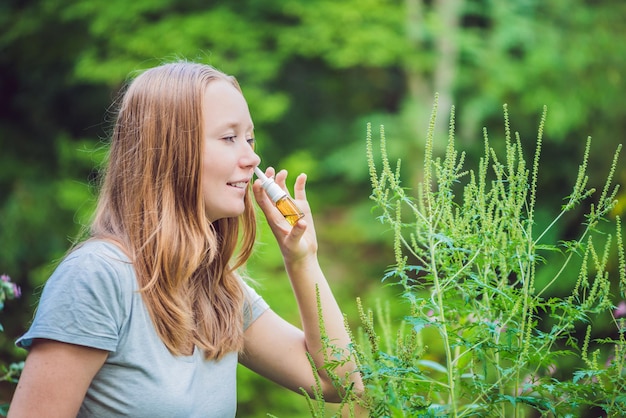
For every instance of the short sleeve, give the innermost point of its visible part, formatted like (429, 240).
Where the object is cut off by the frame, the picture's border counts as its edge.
(87, 299)
(254, 306)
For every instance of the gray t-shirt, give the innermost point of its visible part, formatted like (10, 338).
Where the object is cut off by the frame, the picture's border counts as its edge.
(92, 300)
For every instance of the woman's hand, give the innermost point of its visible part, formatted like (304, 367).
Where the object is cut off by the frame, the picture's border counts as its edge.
(298, 243)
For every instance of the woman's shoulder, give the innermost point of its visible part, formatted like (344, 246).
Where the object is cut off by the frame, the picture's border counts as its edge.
(97, 263)
(106, 250)
(88, 298)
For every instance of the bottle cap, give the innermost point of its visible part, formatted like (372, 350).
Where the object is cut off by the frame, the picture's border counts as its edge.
(272, 189)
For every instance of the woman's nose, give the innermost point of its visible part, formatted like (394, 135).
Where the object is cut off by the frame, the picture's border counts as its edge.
(250, 157)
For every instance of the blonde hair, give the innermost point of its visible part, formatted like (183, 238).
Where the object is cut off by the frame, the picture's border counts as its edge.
(151, 204)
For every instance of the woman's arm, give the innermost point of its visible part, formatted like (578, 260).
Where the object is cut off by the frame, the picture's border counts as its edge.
(55, 379)
(277, 349)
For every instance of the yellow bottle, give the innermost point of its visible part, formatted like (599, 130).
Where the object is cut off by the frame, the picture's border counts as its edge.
(281, 199)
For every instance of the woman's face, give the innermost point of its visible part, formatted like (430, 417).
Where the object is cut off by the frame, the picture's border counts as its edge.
(229, 159)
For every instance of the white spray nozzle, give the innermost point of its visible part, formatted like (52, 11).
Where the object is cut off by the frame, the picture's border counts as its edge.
(260, 174)
(272, 189)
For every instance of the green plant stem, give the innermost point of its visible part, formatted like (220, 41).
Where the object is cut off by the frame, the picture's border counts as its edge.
(444, 330)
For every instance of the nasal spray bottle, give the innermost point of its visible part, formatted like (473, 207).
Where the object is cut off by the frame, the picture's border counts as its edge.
(281, 199)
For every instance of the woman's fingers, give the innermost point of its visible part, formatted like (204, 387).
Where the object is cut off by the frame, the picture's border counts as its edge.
(299, 189)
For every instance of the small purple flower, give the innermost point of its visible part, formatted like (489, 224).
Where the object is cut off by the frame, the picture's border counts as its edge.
(620, 310)
(17, 291)
(8, 289)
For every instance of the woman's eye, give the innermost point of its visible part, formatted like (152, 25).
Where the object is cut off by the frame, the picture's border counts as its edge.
(230, 138)
(251, 141)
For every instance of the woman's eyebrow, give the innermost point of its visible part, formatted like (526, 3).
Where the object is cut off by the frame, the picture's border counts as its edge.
(234, 124)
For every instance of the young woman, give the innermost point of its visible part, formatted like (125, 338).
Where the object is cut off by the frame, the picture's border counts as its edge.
(149, 316)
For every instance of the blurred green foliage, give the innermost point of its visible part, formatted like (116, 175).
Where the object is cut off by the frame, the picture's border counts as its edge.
(314, 72)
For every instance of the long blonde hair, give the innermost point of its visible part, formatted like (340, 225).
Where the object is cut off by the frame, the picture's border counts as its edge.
(151, 204)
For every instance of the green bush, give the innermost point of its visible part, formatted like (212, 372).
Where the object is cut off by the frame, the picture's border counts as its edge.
(482, 336)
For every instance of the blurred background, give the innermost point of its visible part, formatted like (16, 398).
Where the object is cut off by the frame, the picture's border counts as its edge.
(315, 72)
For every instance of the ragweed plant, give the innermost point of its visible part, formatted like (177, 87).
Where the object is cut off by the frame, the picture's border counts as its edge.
(481, 337)
(351, 404)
